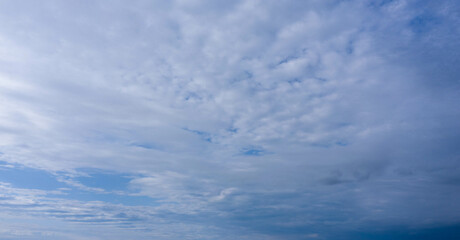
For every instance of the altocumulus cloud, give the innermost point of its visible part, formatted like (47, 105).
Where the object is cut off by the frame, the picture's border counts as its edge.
(229, 119)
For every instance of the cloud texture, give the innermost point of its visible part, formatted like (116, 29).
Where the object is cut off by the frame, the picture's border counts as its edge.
(229, 119)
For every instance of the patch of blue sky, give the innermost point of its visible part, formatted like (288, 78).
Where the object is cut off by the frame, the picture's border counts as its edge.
(30, 178)
(204, 135)
(109, 181)
(253, 151)
(287, 59)
(24, 177)
(232, 130)
(116, 186)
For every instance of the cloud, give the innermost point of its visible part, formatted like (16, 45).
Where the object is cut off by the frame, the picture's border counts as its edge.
(246, 119)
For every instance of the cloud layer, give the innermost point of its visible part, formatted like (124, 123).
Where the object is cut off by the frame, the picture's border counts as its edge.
(228, 119)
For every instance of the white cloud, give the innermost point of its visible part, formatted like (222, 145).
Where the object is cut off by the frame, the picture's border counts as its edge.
(180, 94)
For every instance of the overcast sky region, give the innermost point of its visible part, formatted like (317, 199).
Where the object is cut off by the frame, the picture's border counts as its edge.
(224, 120)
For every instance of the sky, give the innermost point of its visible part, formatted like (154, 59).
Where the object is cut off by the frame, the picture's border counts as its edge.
(244, 119)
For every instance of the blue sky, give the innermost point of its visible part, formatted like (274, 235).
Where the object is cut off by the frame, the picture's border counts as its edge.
(318, 119)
